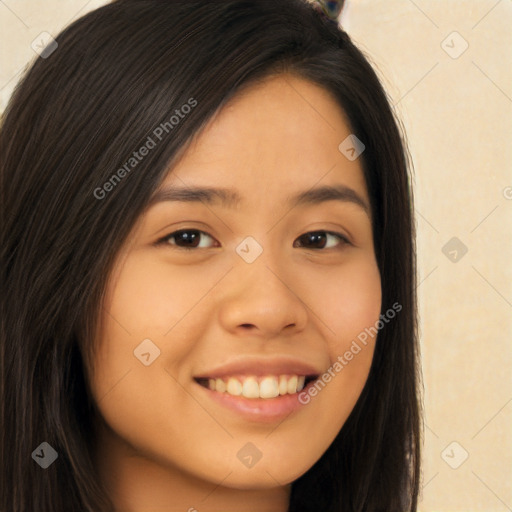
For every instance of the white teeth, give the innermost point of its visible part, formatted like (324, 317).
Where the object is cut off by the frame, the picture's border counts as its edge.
(292, 384)
(220, 385)
(234, 387)
(250, 389)
(283, 385)
(269, 386)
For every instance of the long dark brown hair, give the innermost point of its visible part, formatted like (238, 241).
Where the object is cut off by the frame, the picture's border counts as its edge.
(74, 119)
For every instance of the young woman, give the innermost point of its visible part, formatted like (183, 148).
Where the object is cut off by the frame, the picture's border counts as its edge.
(208, 269)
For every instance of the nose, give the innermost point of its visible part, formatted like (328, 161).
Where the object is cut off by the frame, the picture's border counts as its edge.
(262, 301)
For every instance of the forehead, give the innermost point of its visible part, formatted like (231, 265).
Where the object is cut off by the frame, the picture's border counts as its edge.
(279, 134)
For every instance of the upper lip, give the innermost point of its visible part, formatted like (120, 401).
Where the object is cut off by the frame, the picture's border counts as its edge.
(259, 366)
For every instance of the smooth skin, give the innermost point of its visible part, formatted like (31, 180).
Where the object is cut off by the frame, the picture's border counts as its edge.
(164, 445)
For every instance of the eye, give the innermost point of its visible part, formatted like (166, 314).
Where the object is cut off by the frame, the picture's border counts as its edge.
(321, 240)
(197, 239)
(187, 239)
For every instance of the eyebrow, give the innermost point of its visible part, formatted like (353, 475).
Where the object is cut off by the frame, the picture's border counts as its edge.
(230, 198)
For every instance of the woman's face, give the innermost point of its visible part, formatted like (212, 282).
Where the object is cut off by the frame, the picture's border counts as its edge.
(257, 293)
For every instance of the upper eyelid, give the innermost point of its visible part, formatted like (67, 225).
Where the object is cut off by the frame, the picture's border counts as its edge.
(165, 238)
(341, 236)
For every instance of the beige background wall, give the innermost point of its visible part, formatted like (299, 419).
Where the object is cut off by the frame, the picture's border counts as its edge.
(447, 67)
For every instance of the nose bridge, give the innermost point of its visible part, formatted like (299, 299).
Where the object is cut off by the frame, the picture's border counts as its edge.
(262, 279)
(262, 295)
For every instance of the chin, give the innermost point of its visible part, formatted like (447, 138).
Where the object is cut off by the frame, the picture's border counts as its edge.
(262, 477)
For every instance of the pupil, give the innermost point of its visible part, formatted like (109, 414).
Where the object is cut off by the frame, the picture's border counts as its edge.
(317, 238)
(189, 237)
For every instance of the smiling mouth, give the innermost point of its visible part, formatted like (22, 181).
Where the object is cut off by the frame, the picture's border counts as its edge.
(251, 386)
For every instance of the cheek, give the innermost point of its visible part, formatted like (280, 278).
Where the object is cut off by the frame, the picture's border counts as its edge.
(153, 296)
(149, 299)
(347, 300)
(142, 302)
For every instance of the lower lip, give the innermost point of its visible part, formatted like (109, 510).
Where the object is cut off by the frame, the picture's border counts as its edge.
(264, 410)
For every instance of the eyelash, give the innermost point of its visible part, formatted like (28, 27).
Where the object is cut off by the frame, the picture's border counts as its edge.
(165, 239)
